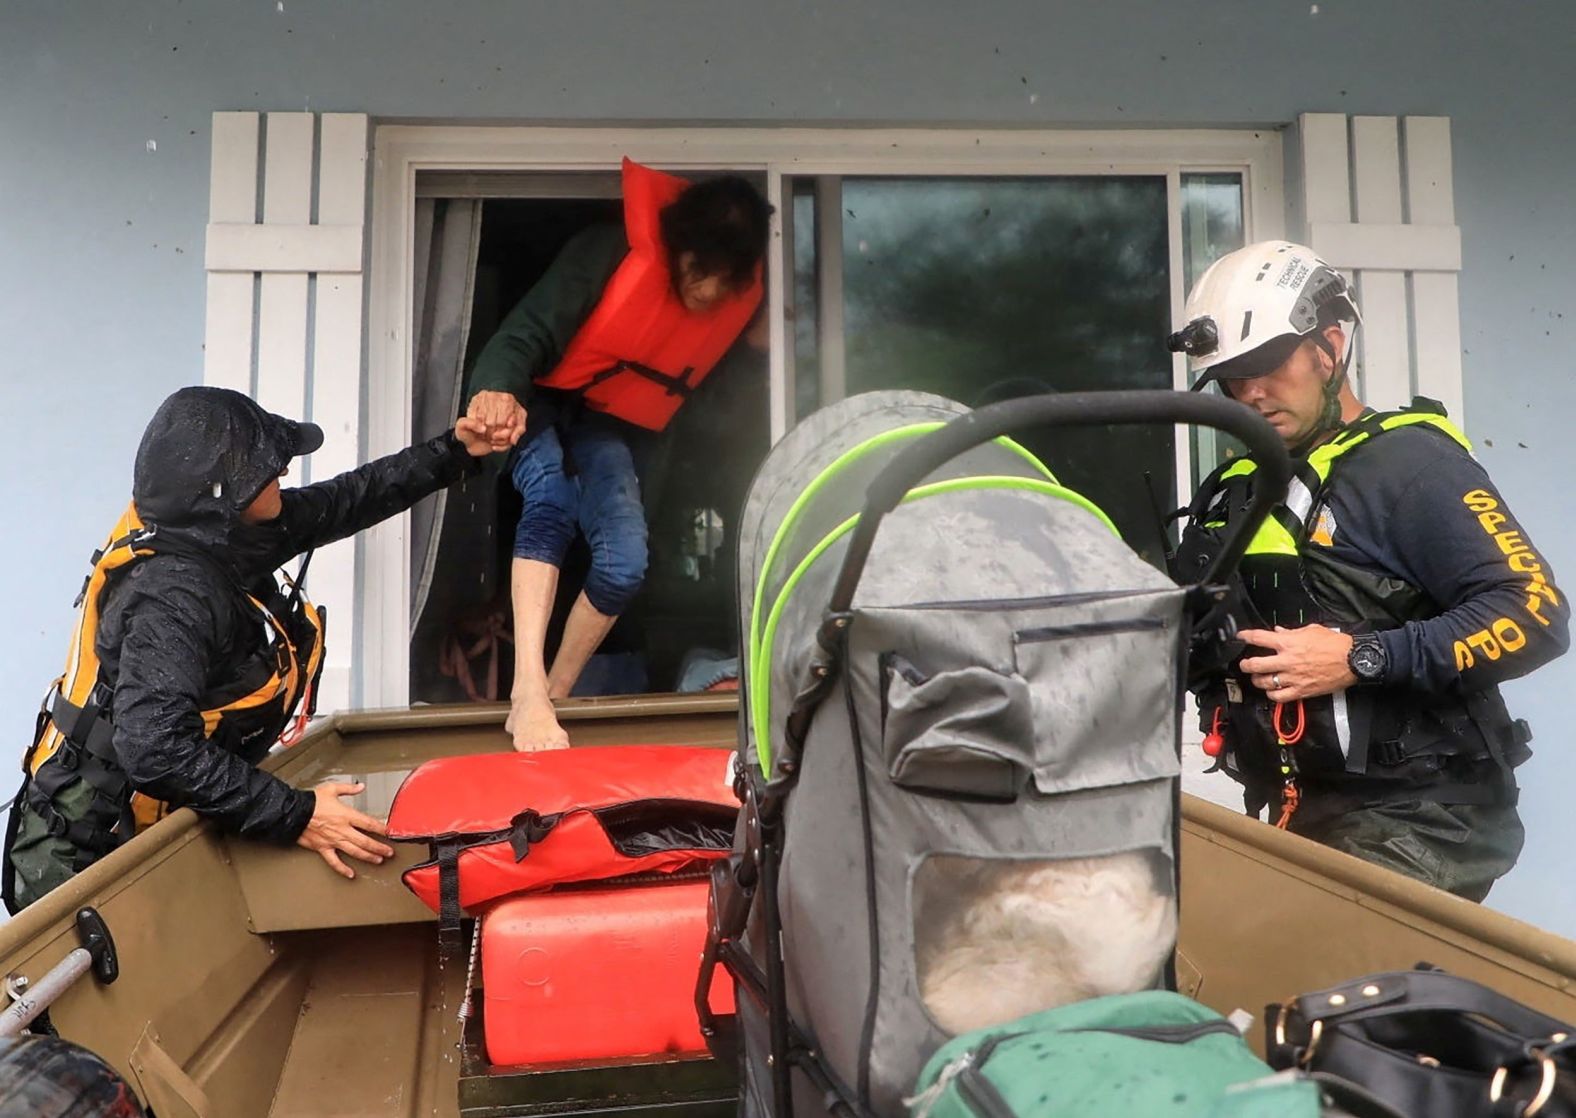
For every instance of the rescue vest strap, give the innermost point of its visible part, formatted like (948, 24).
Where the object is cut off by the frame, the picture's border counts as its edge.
(86, 754)
(676, 386)
(87, 726)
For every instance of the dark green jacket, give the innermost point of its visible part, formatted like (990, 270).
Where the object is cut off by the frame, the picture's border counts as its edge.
(532, 339)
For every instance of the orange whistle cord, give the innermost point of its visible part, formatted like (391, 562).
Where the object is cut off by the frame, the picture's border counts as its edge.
(1294, 735)
(1291, 795)
(297, 728)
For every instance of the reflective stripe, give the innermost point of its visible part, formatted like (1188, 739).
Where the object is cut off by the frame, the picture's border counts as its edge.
(1272, 539)
(1299, 499)
(759, 609)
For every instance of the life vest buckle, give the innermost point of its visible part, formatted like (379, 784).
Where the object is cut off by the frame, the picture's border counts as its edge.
(57, 823)
(68, 755)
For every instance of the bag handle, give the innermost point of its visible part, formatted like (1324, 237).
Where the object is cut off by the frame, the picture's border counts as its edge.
(1352, 1098)
(1423, 991)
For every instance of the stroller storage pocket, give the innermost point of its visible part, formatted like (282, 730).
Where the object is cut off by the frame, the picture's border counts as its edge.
(1103, 694)
(963, 732)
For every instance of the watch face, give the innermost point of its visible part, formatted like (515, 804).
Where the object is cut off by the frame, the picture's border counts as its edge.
(1367, 661)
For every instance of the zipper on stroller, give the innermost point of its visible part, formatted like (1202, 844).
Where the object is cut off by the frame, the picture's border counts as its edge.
(1000, 605)
(1088, 629)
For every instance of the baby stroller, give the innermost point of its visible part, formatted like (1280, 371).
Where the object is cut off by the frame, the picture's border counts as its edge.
(959, 743)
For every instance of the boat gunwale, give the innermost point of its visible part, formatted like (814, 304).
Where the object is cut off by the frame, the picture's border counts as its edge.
(1371, 883)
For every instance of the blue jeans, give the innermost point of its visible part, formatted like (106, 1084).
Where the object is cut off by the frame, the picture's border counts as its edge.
(602, 499)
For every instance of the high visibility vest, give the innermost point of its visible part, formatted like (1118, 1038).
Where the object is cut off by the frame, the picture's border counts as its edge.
(1287, 577)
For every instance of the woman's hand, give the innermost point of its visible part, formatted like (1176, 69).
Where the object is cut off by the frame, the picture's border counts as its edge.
(473, 435)
(501, 416)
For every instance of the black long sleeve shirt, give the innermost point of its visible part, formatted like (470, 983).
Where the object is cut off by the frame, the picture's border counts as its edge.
(1415, 505)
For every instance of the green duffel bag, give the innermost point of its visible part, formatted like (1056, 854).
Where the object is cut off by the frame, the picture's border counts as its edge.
(1153, 1054)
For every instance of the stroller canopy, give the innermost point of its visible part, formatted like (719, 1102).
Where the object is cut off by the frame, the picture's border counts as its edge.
(991, 524)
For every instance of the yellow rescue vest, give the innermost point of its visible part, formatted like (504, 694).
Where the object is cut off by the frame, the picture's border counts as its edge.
(75, 717)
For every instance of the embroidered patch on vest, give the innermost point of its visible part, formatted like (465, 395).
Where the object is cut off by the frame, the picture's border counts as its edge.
(1323, 532)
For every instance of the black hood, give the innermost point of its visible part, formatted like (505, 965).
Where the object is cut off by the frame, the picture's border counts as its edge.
(206, 455)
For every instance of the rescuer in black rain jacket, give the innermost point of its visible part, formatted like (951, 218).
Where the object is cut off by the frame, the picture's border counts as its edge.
(189, 658)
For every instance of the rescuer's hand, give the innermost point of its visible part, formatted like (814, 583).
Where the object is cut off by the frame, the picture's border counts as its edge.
(1302, 663)
(478, 442)
(501, 414)
(337, 828)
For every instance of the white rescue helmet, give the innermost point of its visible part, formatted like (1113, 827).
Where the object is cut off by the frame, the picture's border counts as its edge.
(1252, 308)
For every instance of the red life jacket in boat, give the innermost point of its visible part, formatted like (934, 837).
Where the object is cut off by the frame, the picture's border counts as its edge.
(641, 353)
(502, 823)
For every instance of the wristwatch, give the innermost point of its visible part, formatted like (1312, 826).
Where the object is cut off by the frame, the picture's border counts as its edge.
(1367, 658)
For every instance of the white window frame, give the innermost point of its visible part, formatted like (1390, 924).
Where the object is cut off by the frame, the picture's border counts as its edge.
(401, 152)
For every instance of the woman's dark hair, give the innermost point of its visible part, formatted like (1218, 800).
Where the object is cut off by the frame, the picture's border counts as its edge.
(723, 221)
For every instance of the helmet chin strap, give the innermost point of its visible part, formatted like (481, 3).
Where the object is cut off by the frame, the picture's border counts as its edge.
(1329, 420)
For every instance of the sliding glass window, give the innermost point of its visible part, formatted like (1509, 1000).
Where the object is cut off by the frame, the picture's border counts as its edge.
(988, 288)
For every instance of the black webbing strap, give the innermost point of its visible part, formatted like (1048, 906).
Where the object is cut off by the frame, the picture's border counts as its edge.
(1297, 526)
(449, 911)
(13, 824)
(675, 386)
(88, 725)
(1500, 735)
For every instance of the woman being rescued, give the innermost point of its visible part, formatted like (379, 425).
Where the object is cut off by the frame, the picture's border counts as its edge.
(613, 338)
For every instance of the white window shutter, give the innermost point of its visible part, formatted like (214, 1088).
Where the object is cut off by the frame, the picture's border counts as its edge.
(1379, 205)
(284, 316)
(1378, 202)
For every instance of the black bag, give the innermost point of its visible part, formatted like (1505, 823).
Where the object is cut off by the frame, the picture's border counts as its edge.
(1431, 1045)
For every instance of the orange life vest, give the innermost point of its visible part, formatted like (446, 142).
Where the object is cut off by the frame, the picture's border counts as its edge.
(502, 823)
(641, 353)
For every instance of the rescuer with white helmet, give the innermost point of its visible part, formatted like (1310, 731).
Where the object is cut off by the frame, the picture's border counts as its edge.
(1378, 608)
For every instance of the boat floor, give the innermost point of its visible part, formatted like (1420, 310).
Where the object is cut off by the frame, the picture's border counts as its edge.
(378, 1033)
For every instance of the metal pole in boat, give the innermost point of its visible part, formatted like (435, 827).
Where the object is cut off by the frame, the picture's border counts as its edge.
(29, 999)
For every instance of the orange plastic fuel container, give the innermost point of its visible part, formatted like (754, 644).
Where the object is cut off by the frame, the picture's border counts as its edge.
(596, 974)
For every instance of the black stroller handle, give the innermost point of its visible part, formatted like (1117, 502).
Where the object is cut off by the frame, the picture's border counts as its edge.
(919, 459)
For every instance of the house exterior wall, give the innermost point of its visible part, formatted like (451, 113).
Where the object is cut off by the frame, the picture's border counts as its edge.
(104, 132)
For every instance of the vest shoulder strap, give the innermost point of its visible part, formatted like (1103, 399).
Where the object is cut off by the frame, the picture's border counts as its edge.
(1422, 411)
(1286, 528)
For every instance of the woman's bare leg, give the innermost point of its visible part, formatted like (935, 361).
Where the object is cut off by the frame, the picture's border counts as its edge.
(532, 723)
(583, 635)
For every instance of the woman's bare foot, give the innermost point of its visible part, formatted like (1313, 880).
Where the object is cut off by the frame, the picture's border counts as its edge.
(534, 726)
